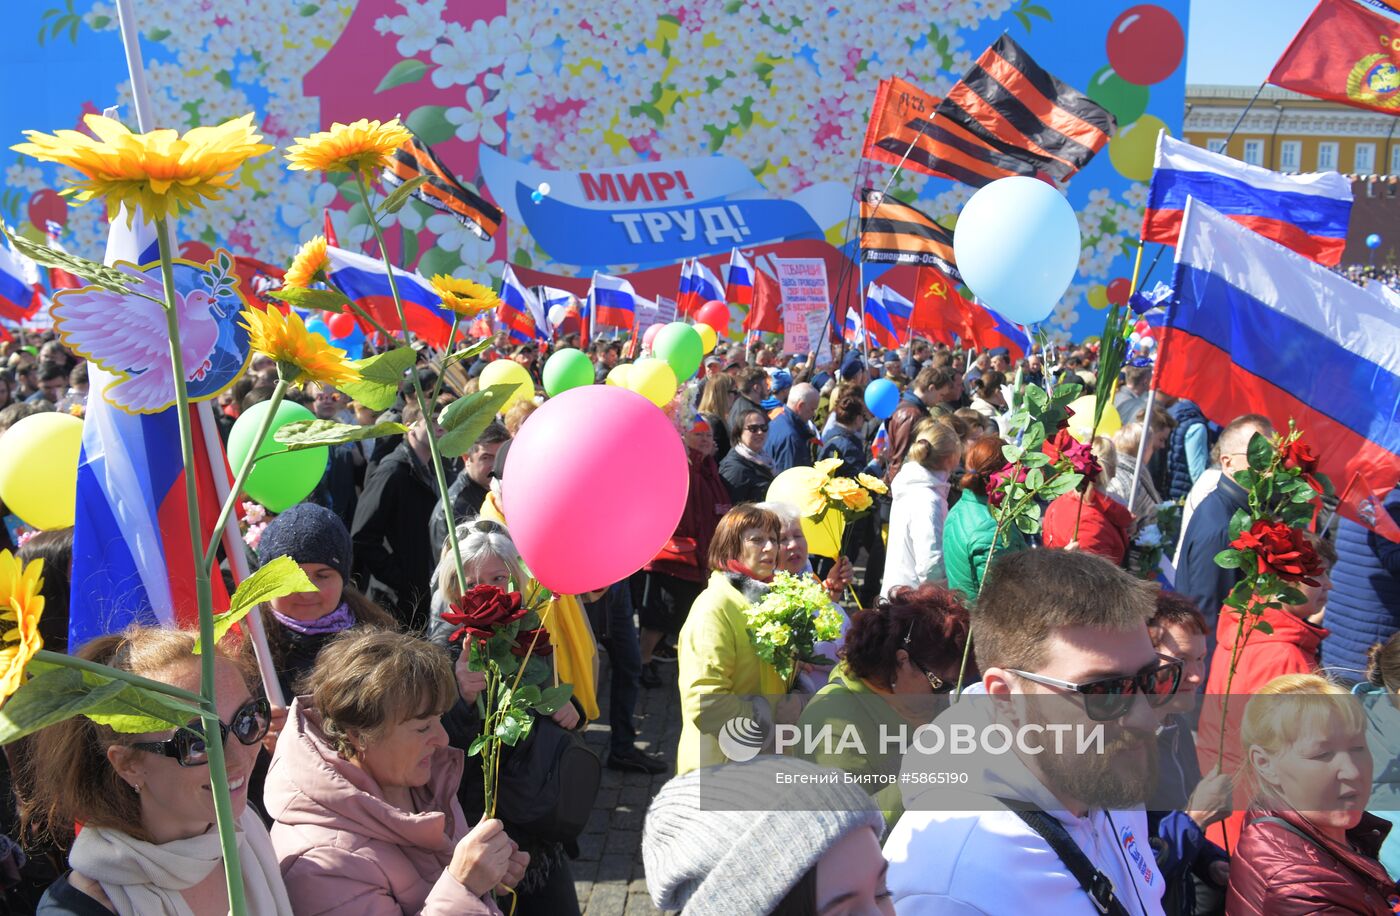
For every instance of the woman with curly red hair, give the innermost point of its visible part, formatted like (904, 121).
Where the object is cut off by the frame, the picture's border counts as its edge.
(970, 528)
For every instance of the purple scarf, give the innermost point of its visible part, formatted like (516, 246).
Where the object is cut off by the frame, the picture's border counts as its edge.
(342, 618)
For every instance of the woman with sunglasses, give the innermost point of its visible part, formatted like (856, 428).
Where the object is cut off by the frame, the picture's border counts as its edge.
(747, 470)
(363, 789)
(896, 655)
(148, 844)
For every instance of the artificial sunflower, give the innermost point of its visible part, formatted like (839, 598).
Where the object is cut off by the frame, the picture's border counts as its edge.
(362, 146)
(465, 297)
(829, 466)
(873, 484)
(20, 607)
(301, 355)
(309, 265)
(161, 172)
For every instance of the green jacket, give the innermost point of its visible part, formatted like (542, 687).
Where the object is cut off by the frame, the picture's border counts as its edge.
(847, 705)
(967, 542)
(718, 667)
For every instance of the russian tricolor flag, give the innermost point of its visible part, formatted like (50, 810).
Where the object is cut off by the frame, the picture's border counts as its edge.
(132, 557)
(521, 311)
(878, 323)
(900, 311)
(364, 280)
(851, 331)
(738, 280)
(698, 286)
(19, 285)
(612, 301)
(1307, 213)
(1287, 338)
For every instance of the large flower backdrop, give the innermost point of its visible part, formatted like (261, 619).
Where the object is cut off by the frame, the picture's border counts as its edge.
(783, 87)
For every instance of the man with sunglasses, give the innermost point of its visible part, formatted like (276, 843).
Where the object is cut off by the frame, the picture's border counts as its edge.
(1062, 643)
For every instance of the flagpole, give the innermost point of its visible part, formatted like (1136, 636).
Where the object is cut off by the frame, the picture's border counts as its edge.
(592, 304)
(1230, 136)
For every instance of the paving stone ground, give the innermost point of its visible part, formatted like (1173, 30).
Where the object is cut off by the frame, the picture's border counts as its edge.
(608, 872)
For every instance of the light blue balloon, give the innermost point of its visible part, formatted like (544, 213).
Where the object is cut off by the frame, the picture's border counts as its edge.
(1017, 247)
(882, 397)
(318, 326)
(1373, 240)
(353, 343)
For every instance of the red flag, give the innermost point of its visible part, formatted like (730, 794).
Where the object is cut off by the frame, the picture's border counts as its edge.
(765, 314)
(330, 229)
(939, 309)
(1344, 53)
(1362, 501)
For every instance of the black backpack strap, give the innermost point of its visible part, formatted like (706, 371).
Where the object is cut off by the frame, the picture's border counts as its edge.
(1094, 882)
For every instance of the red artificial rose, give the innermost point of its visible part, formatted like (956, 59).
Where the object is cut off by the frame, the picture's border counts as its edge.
(482, 611)
(1298, 455)
(995, 494)
(1081, 457)
(542, 644)
(1056, 446)
(1281, 550)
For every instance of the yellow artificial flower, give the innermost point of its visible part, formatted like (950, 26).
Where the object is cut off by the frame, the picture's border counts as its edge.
(364, 146)
(20, 607)
(839, 489)
(309, 264)
(857, 500)
(301, 355)
(873, 484)
(829, 466)
(465, 297)
(161, 172)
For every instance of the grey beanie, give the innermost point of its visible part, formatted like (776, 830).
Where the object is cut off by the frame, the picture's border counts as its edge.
(741, 853)
(307, 533)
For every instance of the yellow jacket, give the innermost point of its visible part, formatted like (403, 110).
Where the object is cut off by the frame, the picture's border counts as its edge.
(575, 651)
(717, 658)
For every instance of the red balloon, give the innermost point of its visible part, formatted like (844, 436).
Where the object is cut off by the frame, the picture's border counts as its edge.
(1118, 291)
(341, 326)
(1145, 44)
(47, 206)
(716, 315)
(197, 251)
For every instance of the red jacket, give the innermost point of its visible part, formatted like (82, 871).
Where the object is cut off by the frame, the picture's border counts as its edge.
(686, 555)
(1103, 524)
(1278, 872)
(1291, 648)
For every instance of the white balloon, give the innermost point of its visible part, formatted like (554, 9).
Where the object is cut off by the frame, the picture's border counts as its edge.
(556, 314)
(543, 188)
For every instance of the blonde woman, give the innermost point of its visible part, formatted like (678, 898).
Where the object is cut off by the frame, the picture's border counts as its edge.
(920, 492)
(1308, 844)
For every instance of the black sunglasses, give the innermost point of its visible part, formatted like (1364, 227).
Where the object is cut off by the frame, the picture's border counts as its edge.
(250, 724)
(757, 428)
(1110, 698)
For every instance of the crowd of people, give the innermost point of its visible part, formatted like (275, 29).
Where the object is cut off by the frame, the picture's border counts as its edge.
(358, 797)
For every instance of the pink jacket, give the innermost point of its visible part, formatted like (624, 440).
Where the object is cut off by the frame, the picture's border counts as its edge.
(345, 850)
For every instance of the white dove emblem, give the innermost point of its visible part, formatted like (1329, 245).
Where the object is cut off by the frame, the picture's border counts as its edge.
(127, 335)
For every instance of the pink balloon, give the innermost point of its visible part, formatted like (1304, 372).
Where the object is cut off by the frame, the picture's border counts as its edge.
(594, 486)
(649, 335)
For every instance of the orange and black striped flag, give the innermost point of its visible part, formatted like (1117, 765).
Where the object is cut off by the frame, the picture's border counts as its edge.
(892, 232)
(442, 190)
(1007, 100)
(903, 131)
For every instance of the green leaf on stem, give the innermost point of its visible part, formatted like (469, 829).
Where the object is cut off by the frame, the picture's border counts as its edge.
(135, 711)
(527, 694)
(1239, 523)
(1036, 397)
(1230, 559)
(1035, 478)
(475, 747)
(476, 349)
(1035, 460)
(402, 194)
(1060, 484)
(380, 377)
(317, 433)
(1027, 524)
(108, 278)
(552, 699)
(513, 726)
(466, 418)
(1035, 435)
(280, 577)
(1263, 626)
(402, 73)
(50, 698)
(1291, 595)
(1260, 453)
(1012, 453)
(1066, 393)
(322, 300)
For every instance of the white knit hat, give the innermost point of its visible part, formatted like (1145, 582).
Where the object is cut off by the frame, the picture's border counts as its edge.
(742, 854)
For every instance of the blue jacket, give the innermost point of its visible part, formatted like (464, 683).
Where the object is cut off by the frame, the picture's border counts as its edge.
(840, 442)
(1208, 533)
(1187, 849)
(1185, 464)
(789, 441)
(1363, 607)
(1383, 738)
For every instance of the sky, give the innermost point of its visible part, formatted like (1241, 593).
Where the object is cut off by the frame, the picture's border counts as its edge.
(1236, 42)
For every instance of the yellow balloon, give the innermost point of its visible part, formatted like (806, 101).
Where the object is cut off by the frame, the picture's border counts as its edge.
(654, 380)
(794, 486)
(1132, 151)
(39, 469)
(508, 372)
(708, 337)
(618, 374)
(1098, 297)
(1083, 409)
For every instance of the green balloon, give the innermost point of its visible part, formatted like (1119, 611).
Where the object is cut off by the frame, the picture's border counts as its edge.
(282, 481)
(680, 345)
(565, 369)
(1123, 100)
